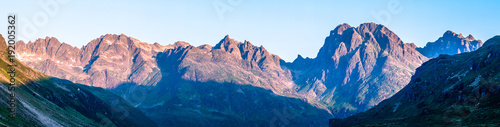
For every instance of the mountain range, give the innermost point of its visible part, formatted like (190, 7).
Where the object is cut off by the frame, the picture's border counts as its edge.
(458, 90)
(237, 83)
(104, 62)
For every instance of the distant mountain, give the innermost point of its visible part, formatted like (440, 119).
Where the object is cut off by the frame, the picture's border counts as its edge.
(356, 68)
(45, 101)
(458, 90)
(104, 62)
(124, 64)
(450, 43)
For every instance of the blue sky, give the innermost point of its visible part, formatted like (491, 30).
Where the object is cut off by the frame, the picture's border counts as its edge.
(284, 27)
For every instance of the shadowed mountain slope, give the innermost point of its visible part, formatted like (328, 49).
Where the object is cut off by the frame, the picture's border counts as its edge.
(458, 90)
(450, 43)
(356, 68)
(44, 101)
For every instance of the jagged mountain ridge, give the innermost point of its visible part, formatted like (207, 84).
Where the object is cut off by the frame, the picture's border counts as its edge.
(457, 90)
(450, 43)
(45, 101)
(230, 61)
(356, 68)
(234, 62)
(104, 62)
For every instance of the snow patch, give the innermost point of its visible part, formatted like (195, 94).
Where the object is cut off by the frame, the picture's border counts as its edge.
(396, 106)
(476, 81)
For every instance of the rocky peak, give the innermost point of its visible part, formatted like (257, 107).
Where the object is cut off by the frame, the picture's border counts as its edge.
(368, 27)
(181, 44)
(47, 47)
(345, 38)
(339, 29)
(246, 51)
(205, 46)
(450, 43)
(299, 58)
(49, 42)
(470, 37)
(451, 34)
(247, 44)
(113, 38)
(227, 44)
(157, 44)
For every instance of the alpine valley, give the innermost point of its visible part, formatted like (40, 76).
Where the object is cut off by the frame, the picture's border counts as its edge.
(235, 83)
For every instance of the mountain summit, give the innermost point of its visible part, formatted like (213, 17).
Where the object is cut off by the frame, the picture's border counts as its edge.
(230, 83)
(355, 68)
(450, 43)
(457, 90)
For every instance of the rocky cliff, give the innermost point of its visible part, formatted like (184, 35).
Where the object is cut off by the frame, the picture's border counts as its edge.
(104, 62)
(44, 101)
(457, 90)
(356, 68)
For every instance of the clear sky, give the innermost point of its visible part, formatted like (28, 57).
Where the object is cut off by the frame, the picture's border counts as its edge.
(284, 27)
